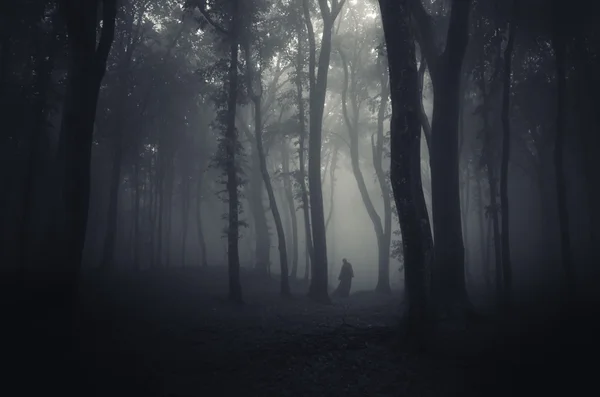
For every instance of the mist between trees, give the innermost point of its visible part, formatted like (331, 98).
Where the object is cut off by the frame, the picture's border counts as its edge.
(446, 149)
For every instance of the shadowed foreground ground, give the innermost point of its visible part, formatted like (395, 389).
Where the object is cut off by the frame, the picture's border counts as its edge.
(173, 334)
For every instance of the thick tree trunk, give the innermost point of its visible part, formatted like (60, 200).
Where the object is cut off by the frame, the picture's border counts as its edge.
(86, 70)
(405, 156)
(448, 279)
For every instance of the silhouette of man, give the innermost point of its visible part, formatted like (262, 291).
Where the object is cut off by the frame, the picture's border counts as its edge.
(345, 277)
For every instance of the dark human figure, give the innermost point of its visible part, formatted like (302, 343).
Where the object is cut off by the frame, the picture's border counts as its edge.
(345, 277)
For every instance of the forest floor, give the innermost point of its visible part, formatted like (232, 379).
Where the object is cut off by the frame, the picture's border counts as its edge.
(174, 334)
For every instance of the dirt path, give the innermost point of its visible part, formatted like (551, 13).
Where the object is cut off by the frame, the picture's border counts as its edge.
(187, 343)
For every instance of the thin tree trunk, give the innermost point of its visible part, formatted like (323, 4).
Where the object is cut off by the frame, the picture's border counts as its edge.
(285, 286)
(289, 196)
(318, 88)
(199, 224)
(185, 209)
(302, 147)
(136, 214)
(560, 48)
(231, 142)
(506, 262)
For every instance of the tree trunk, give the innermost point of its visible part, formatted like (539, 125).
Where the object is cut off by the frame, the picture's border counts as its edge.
(289, 196)
(302, 148)
(506, 262)
(560, 49)
(285, 286)
(108, 255)
(261, 227)
(448, 279)
(492, 210)
(199, 224)
(231, 143)
(185, 209)
(465, 218)
(136, 214)
(405, 156)
(383, 280)
(318, 89)
(86, 70)
(483, 239)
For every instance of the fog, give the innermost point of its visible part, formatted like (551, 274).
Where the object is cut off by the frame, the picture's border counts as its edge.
(298, 197)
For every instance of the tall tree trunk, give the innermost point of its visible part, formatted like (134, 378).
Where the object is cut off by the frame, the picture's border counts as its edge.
(169, 228)
(405, 156)
(261, 227)
(506, 262)
(199, 223)
(185, 209)
(493, 208)
(86, 70)
(231, 143)
(483, 242)
(136, 213)
(302, 146)
(289, 196)
(448, 279)
(383, 280)
(560, 49)
(108, 255)
(465, 218)
(318, 89)
(283, 260)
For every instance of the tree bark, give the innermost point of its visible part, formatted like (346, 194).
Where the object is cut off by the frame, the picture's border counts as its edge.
(87, 66)
(506, 139)
(448, 279)
(289, 196)
(231, 143)
(560, 49)
(405, 156)
(283, 260)
(199, 223)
